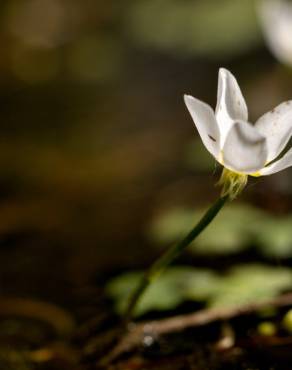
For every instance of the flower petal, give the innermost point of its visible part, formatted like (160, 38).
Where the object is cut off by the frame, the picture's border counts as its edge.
(231, 105)
(276, 126)
(245, 150)
(204, 119)
(281, 164)
(275, 17)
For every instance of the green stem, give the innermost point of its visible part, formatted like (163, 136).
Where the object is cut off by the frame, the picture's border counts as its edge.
(170, 254)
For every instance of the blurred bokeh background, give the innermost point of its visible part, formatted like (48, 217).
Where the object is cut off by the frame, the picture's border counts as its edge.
(100, 161)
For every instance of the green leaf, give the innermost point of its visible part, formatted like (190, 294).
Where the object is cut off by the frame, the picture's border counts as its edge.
(251, 283)
(173, 287)
(231, 232)
(239, 226)
(242, 284)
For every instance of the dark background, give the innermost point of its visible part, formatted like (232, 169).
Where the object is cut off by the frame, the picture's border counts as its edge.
(95, 139)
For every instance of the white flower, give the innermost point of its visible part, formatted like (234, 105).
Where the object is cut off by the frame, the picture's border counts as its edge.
(276, 20)
(241, 147)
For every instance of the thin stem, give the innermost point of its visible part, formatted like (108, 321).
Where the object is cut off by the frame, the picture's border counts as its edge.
(170, 254)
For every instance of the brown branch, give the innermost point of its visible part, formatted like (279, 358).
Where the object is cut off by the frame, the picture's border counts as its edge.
(136, 332)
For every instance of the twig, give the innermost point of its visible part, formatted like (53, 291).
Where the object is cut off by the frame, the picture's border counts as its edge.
(136, 332)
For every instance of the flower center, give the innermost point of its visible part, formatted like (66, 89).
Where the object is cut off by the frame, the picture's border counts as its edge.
(232, 183)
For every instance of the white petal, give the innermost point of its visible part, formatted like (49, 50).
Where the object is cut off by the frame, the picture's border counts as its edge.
(245, 149)
(276, 20)
(231, 105)
(281, 164)
(276, 126)
(204, 119)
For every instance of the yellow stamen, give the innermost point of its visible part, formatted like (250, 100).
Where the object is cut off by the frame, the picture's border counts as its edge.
(232, 183)
(255, 174)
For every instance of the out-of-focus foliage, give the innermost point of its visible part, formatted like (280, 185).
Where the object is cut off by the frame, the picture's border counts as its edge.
(48, 40)
(172, 288)
(287, 321)
(195, 27)
(239, 285)
(231, 232)
(275, 237)
(95, 59)
(251, 283)
(238, 227)
(267, 328)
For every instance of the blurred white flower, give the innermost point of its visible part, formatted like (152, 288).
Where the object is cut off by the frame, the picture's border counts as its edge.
(276, 20)
(242, 148)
